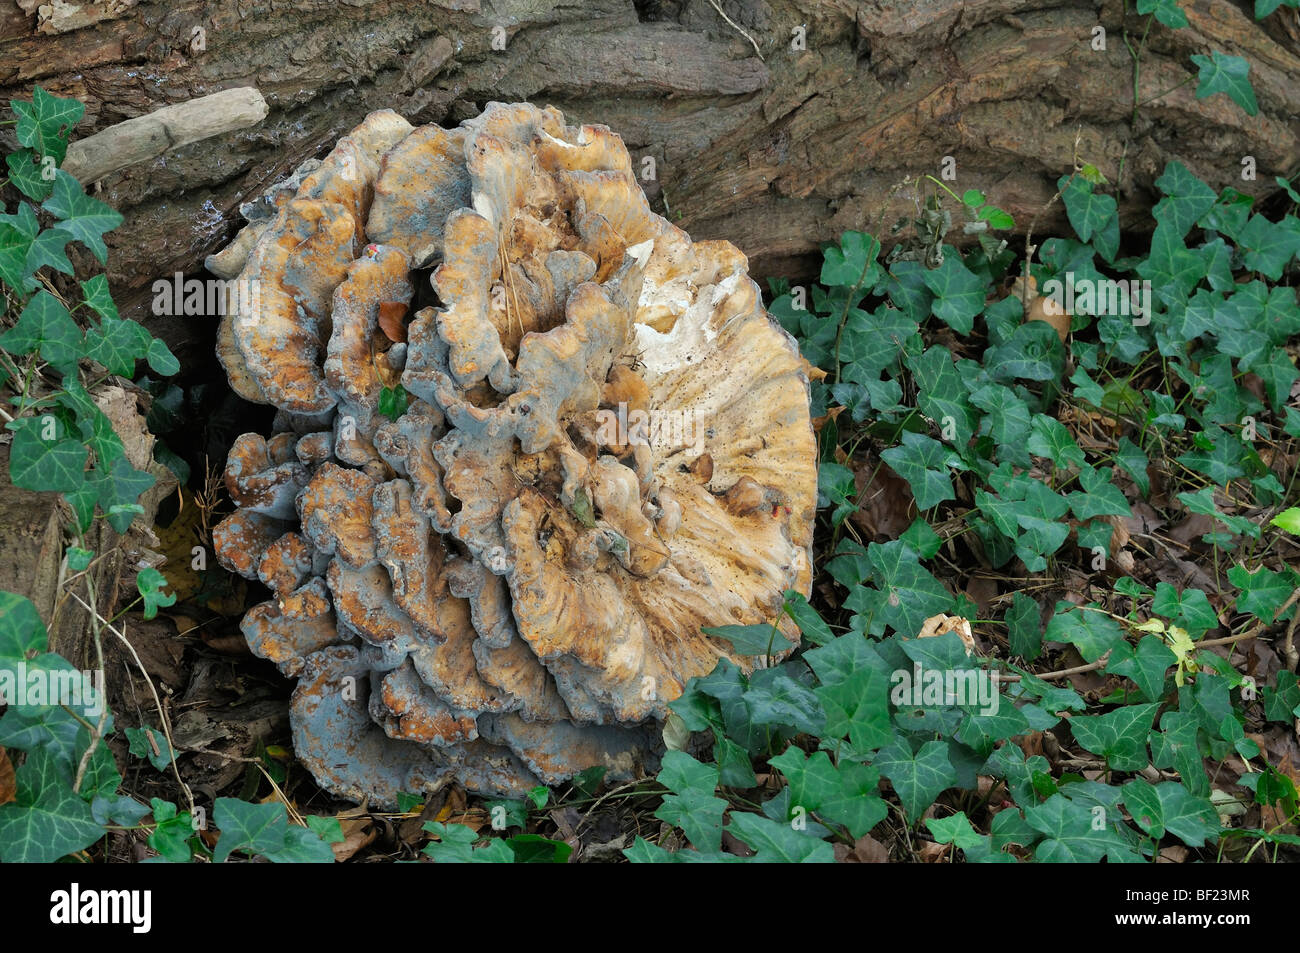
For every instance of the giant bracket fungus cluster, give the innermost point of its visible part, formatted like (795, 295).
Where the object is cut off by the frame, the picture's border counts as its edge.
(607, 447)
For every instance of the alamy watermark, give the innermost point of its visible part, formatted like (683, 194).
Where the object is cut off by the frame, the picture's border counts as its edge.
(205, 296)
(1106, 296)
(661, 429)
(39, 686)
(920, 687)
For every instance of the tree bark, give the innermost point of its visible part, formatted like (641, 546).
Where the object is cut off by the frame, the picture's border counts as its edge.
(778, 150)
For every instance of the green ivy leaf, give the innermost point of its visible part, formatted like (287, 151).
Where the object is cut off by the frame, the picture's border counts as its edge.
(693, 805)
(1268, 247)
(763, 639)
(1262, 591)
(82, 217)
(1050, 438)
(45, 324)
(1119, 736)
(38, 464)
(959, 294)
(955, 830)
(814, 629)
(120, 484)
(149, 582)
(942, 395)
(161, 359)
(924, 463)
(1167, 12)
(1094, 216)
(774, 842)
(1186, 199)
(1092, 633)
(152, 745)
(1157, 808)
(46, 820)
(1146, 665)
(45, 123)
(117, 344)
(264, 829)
(843, 265)
(1221, 73)
(28, 172)
(847, 793)
(918, 779)
(172, 832)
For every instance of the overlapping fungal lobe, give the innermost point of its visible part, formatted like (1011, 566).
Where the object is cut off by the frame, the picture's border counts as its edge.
(531, 439)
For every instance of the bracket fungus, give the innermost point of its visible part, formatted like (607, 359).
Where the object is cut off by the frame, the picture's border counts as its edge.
(607, 447)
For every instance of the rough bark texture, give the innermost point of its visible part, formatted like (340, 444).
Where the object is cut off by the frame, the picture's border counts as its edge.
(777, 153)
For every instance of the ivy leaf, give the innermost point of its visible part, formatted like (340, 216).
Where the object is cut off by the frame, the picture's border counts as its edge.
(1190, 609)
(918, 779)
(1050, 438)
(814, 629)
(942, 395)
(1268, 247)
(955, 830)
(119, 484)
(82, 217)
(1025, 627)
(762, 639)
(1094, 216)
(27, 171)
(1167, 12)
(924, 463)
(37, 464)
(97, 296)
(1262, 591)
(846, 794)
(1186, 199)
(45, 325)
(774, 842)
(1281, 703)
(1069, 833)
(1092, 633)
(455, 845)
(959, 294)
(149, 582)
(46, 820)
(1171, 268)
(161, 359)
(1221, 73)
(152, 745)
(844, 265)
(1157, 808)
(264, 829)
(45, 123)
(1119, 736)
(858, 707)
(906, 594)
(1099, 496)
(117, 344)
(1288, 519)
(1130, 458)
(692, 806)
(1146, 665)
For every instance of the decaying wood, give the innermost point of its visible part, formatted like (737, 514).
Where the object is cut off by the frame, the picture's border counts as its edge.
(777, 154)
(171, 127)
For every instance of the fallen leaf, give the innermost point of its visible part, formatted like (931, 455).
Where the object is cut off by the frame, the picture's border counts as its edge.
(8, 787)
(392, 320)
(1041, 307)
(943, 623)
(932, 853)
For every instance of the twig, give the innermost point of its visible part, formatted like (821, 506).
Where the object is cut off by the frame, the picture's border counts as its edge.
(167, 732)
(737, 27)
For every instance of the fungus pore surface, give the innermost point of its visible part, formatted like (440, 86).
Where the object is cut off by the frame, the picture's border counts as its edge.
(605, 446)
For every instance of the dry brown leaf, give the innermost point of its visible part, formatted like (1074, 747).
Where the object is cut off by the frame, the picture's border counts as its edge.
(358, 832)
(392, 320)
(932, 853)
(8, 784)
(1042, 308)
(943, 623)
